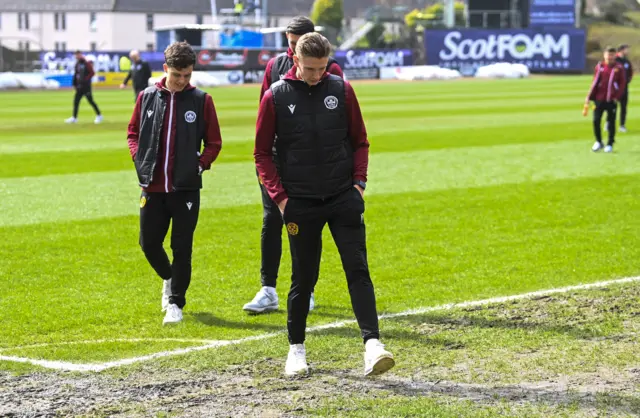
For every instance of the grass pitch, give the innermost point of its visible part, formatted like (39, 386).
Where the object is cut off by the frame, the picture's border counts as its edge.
(477, 189)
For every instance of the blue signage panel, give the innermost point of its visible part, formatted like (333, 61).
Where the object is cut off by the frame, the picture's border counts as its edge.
(554, 50)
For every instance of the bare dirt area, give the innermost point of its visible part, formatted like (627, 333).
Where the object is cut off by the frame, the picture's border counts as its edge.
(235, 394)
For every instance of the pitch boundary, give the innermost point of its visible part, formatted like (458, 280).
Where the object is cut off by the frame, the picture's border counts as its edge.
(211, 344)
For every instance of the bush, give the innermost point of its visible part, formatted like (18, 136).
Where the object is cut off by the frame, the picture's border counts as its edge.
(328, 13)
(433, 14)
(614, 12)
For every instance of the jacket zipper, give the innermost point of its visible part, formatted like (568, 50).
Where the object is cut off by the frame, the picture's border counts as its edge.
(166, 161)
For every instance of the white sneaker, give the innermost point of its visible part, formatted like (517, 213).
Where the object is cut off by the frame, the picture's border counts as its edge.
(597, 146)
(608, 148)
(296, 361)
(377, 360)
(98, 119)
(71, 120)
(166, 292)
(623, 129)
(266, 300)
(173, 315)
(312, 303)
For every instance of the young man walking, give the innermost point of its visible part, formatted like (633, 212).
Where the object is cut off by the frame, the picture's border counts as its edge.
(139, 74)
(82, 83)
(319, 176)
(266, 300)
(606, 90)
(170, 124)
(623, 52)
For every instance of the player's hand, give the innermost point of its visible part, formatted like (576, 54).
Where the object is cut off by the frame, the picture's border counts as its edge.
(282, 205)
(360, 190)
(122, 86)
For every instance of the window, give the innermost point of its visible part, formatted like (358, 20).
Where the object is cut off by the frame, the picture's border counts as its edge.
(150, 47)
(23, 21)
(149, 22)
(60, 21)
(20, 45)
(26, 46)
(93, 47)
(0, 20)
(93, 21)
(61, 46)
(199, 19)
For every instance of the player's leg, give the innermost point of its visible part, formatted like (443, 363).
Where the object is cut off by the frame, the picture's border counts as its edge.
(624, 101)
(184, 208)
(597, 126)
(348, 230)
(266, 300)
(154, 224)
(76, 104)
(304, 221)
(89, 96)
(611, 110)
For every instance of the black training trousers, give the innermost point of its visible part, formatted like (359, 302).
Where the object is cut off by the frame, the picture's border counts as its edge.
(80, 93)
(610, 108)
(157, 210)
(624, 101)
(305, 220)
(271, 242)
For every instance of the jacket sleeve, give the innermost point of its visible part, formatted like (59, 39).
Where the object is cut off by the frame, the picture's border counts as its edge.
(212, 137)
(90, 72)
(266, 80)
(358, 134)
(621, 77)
(630, 73)
(127, 78)
(263, 150)
(594, 83)
(133, 131)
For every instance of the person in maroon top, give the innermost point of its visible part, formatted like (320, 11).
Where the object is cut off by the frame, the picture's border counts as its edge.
(623, 60)
(608, 86)
(169, 126)
(318, 177)
(82, 83)
(266, 300)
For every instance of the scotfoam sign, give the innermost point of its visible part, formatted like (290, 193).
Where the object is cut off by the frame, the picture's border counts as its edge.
(465, 50)
(374, 58)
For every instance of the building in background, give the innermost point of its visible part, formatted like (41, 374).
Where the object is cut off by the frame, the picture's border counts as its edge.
(111, 25)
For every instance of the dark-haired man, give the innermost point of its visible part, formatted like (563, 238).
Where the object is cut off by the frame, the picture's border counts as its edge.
(606, 89)
(170, 123)
(82, 83)
(313, 120)
(266, 300)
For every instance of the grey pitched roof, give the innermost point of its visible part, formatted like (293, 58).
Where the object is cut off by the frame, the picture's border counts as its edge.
(56, 5)
(164, 6)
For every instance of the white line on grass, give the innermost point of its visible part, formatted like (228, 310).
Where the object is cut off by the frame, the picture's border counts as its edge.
(97, 367)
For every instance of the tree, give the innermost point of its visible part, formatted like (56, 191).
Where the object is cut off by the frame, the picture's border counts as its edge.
(329, 13)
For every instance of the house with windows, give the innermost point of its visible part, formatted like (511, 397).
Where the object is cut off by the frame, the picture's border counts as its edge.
(116, 25)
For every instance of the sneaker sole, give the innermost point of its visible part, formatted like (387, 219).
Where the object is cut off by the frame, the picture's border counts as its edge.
(383, 365)
(303, 372)
(257, 311)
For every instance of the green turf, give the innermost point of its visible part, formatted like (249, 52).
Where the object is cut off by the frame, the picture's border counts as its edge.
(477, 189)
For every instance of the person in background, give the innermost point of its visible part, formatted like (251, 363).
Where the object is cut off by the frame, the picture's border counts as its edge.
(140, 73)
(82, 83)
(623, 60)
(608, 86)
(266, 300)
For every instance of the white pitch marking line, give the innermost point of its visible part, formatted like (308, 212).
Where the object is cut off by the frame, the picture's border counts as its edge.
(114, 340)
(97, 367)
